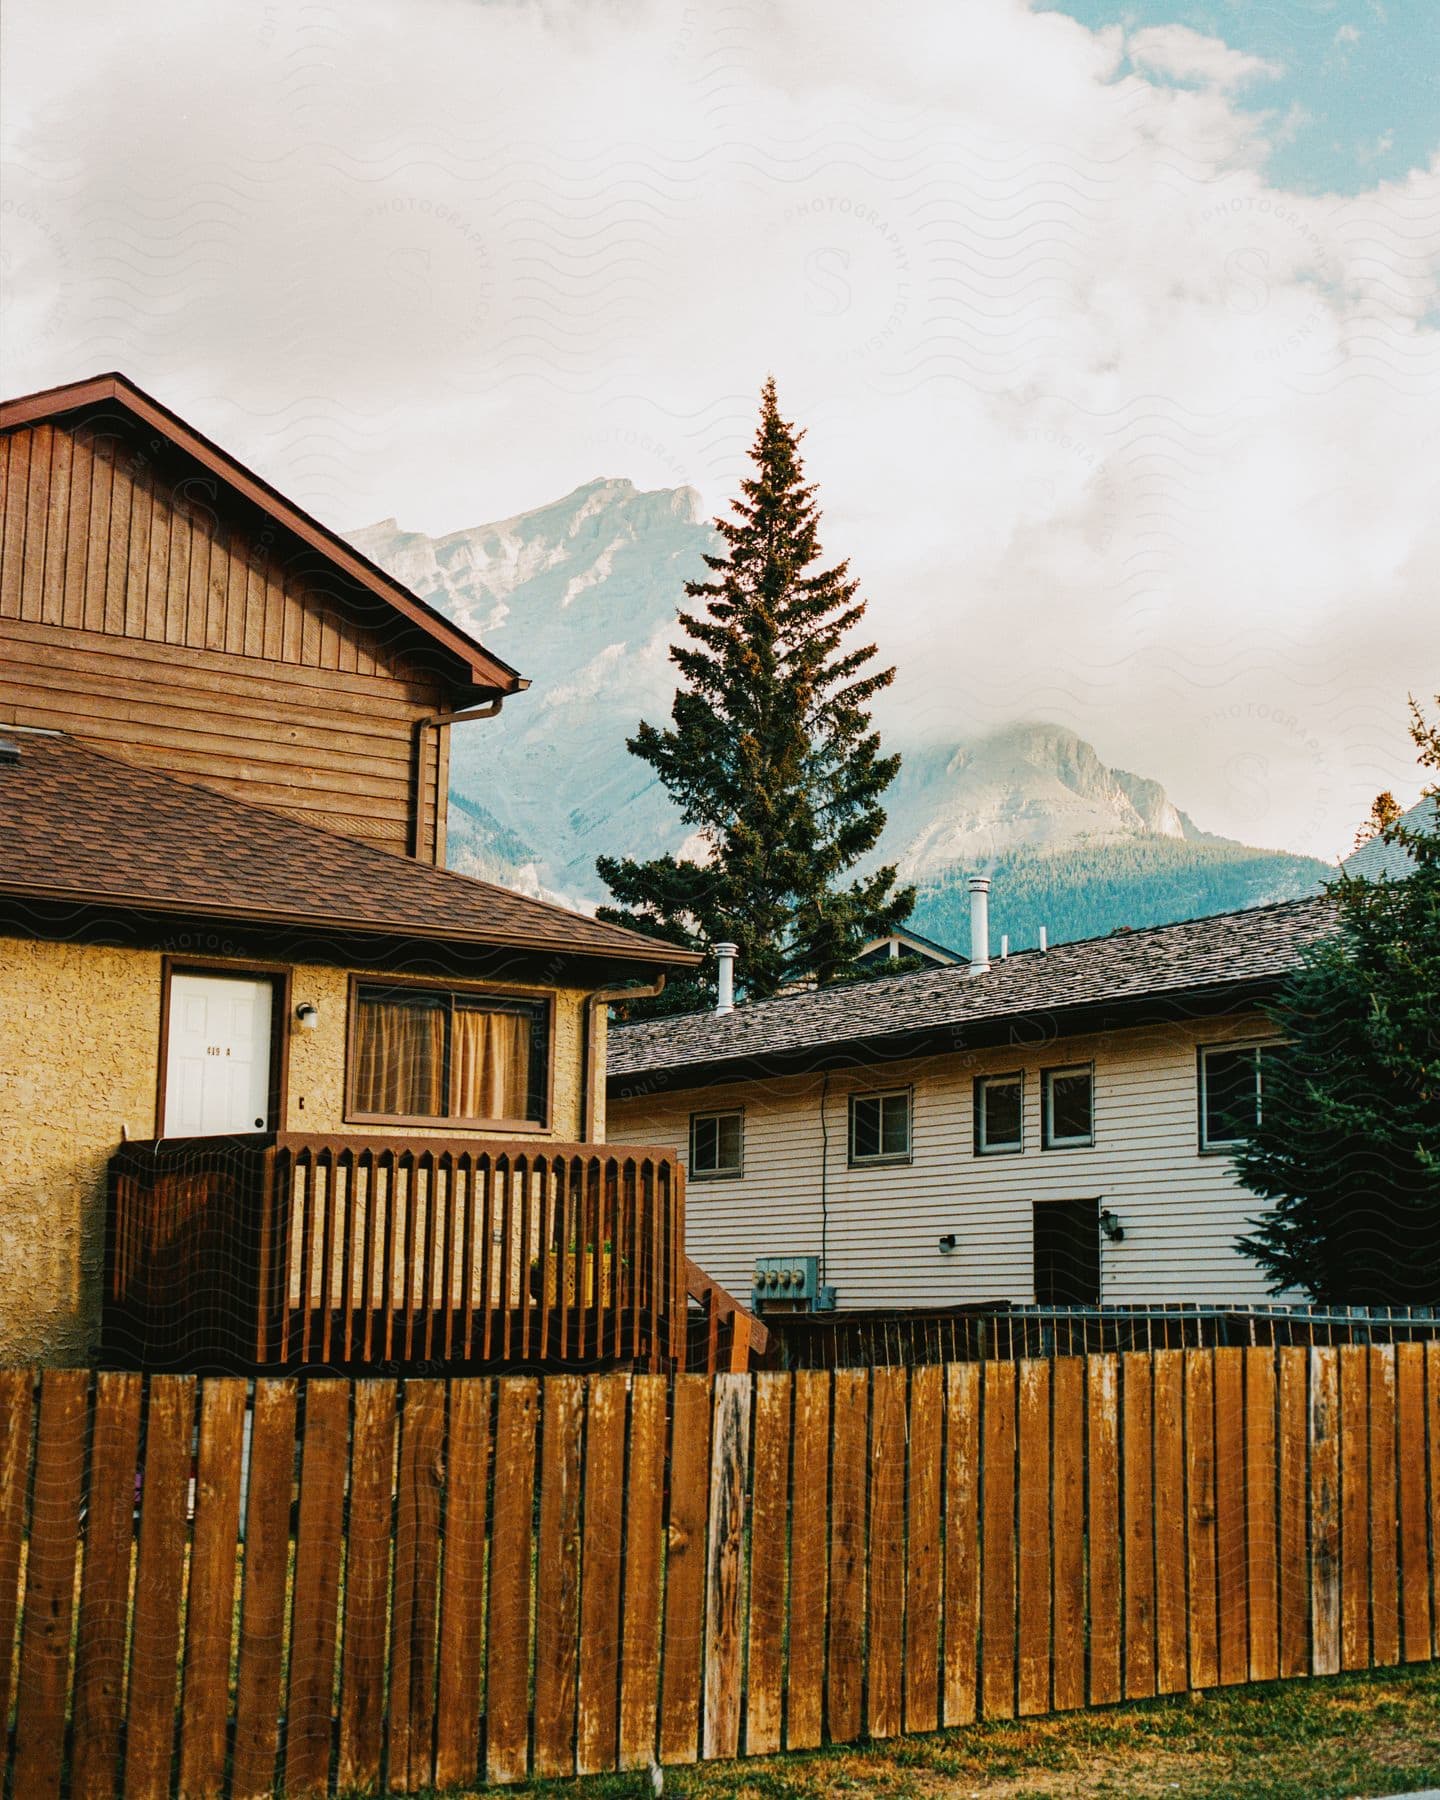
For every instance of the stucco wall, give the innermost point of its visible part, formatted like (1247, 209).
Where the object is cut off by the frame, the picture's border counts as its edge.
(79, 1061)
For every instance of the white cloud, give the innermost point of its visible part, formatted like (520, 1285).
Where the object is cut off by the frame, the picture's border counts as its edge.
(1176, 53)
(1348, 34)
(1113, 429)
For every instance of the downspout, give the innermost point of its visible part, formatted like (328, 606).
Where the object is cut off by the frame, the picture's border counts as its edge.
(602, 997)
(417, 757)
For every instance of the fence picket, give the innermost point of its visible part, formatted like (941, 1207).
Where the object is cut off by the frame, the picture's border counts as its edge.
(1068, 1512)
(417, 1567)
(1292, 1484)
(922, 1576)
(367, 1587)
(466, 1454)
(997, 1557)
(1410, 1459)
(50, 1584)
(598, 1730)
(105, 1587)
(886, 1569)
(262, 1607)
(685, 1569)
(724, 1571)
(210, 1614)
(1384, 1573)
(507, 1661)
(318, 1549)
(557, 1576)
(770, 1480)
(1137, 1459)
(1102, 1521)
(850, 1420)
(1354, 1507)
(640, 1626)
(962, 1541)
(805, 1687)
(17, 1391)
(1230, 1553)
(1261, 1569)
(1171, 1664)
(1034, 1538)
(1200, 1515)
(1323, 1432)
(159, 1582)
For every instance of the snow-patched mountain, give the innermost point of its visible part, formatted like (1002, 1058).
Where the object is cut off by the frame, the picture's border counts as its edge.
(582, 597)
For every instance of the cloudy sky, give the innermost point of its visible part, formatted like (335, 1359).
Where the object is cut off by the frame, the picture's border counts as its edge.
(1114, 326)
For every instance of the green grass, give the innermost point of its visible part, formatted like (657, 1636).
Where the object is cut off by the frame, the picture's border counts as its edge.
(1301, 1740)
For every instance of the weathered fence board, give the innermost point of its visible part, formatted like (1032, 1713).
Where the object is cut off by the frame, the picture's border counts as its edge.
(715, 1565)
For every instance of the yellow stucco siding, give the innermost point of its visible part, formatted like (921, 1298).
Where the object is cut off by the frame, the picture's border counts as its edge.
(79, 1064)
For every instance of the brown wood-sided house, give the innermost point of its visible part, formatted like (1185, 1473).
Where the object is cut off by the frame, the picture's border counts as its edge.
(276, 1088)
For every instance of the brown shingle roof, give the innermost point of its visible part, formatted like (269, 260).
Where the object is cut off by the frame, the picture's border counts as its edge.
(1226, 954)
(82, 827)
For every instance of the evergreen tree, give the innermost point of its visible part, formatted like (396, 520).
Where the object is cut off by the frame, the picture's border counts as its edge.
(770, 754)
(1349, 1144)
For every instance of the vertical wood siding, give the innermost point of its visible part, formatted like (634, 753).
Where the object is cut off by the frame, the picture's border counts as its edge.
(143, 610)
(1181, 1209)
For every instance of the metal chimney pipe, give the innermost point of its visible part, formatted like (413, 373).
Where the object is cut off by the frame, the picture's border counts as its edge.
(979, 924)
(725, 955)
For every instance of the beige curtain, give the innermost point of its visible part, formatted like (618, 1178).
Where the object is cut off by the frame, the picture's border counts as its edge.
(400, 1059)
(489, 1064)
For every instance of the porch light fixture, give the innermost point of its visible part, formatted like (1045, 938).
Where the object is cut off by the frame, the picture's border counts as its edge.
(1112, 1227)
(308, 1016)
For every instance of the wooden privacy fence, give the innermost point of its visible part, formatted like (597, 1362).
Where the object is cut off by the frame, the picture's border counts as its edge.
(404, 1584)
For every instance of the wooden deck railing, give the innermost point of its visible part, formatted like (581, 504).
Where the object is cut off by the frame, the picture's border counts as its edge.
(299, 1251)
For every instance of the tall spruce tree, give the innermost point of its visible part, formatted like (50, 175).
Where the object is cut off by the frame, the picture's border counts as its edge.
(1349, 1143)
(770, 755)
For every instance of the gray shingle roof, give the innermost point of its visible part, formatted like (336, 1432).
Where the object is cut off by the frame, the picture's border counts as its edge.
(1221, 954)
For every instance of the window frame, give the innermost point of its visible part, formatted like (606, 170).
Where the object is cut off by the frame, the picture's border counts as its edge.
(1048, 1139)
(540, 1006)
(981, 1085)
(883, 1160)
(726, 1174)
(1205, 1145)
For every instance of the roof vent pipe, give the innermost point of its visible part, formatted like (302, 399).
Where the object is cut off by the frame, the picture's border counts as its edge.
(979, 924)
(1044, 940)
(1005, 948)
(725, 978)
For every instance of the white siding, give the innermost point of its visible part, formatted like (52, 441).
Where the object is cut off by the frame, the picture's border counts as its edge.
(1181, 1209)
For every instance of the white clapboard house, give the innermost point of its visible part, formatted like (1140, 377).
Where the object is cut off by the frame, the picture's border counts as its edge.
(1054, 1127)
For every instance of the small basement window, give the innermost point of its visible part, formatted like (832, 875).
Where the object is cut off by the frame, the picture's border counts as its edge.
(880, 1127)
(999, 1114)
(1232, 1091)
(425, 1054)
(717, 1143)
(1067, 1107)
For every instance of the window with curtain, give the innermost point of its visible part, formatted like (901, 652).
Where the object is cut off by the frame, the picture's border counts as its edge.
(422, 1053)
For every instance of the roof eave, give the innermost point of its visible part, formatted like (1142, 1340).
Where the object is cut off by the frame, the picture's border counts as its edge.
(488, 675)
(647, 953)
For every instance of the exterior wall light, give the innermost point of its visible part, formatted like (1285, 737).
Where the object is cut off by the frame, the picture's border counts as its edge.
(308, 1016)
(1112, 1227)
(947, 1243)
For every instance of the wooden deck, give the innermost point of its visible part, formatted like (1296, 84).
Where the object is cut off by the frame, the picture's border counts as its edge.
(294, 1251)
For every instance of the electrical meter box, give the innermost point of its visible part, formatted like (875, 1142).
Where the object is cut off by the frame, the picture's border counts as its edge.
(789, 1281)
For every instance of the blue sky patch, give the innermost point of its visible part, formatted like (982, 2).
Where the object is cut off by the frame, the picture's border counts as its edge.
(1360, 92)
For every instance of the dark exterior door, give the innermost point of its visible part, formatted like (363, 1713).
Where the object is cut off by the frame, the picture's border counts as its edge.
(1067, 1252)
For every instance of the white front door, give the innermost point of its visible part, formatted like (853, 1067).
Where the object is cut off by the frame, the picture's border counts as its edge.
(217, 1072)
